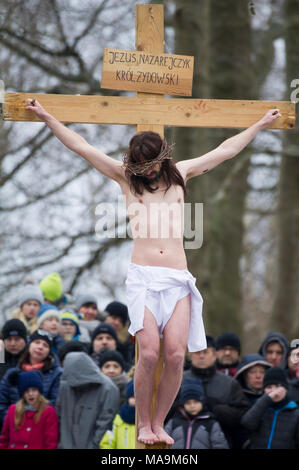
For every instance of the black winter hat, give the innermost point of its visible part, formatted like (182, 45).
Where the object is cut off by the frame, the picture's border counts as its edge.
(228, 339)
(111, 356)
(104, 328)
(117, 309)
(14, 327)
(70, 346)
(192, 389)
(41, 334)
(211, 343)
(275, 376)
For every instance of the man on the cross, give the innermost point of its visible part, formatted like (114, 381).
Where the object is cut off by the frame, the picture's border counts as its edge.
(161, 293)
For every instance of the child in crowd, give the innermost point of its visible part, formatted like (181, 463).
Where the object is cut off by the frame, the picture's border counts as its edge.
(69, 326)
(192, 426)
(122, 435)
(30, 423)
(112, 364)
(273, 421)
(30, 301)
(48, 319)
(37, 355)
(52, 289)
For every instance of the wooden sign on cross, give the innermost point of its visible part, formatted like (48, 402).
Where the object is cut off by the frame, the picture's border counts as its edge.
(149, 111)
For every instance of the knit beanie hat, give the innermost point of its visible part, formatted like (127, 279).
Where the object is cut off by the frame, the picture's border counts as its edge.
(104, 328)
(70, 316)
(275, 376)
(41, 334)
(14, 327)
(24, 380)
(51, 286)
(30, 379)
(70, 346)
(117, 309)
(192, 389)
(85, 299)
(47, 311)
(111, 356)
(228, 339)
(30, 292)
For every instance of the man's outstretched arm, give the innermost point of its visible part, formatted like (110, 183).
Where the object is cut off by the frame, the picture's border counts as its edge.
(99, 160)
(228, 149)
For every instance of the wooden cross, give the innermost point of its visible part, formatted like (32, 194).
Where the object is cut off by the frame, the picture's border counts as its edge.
(149, 111)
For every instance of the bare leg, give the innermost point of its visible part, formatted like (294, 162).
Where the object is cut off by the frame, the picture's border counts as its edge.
(149, 347)
(175, 340)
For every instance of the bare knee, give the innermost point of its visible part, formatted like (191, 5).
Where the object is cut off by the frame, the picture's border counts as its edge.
(175, 358)
(149, 359)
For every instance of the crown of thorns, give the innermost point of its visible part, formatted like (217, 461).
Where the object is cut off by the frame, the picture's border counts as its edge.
(140, 167)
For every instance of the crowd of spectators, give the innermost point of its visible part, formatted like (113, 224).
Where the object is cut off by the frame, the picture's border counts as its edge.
(67, 381)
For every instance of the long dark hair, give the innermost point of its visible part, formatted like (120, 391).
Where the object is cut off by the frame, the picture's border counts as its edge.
(149, 145)
(25, 359)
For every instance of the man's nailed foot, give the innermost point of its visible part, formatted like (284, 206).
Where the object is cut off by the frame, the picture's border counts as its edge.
(146, 436)
(162, 436)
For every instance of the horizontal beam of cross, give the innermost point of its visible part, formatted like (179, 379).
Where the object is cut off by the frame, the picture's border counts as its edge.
(179, 112)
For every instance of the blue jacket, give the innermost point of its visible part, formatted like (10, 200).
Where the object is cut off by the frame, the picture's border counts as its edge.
(273, 427)
(9, 393)
(56, 343)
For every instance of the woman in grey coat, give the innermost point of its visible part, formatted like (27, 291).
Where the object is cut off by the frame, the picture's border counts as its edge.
(87, 403)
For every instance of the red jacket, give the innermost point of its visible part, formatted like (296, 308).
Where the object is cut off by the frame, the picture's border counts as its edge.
(31, 435)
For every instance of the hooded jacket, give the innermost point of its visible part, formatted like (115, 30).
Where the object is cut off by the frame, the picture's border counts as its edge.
(199, 432)
(248, 361)
(225, 399)
(273, 425)
(280, 338)
(122, 435)
(87, 403)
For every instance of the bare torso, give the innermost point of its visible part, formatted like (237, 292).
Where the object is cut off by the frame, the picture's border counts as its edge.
(157, 224)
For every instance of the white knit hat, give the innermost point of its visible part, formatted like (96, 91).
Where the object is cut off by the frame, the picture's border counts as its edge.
(30, 292)
(47, 313)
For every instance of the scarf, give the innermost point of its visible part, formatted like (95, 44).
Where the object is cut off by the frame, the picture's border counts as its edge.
(227, 370)
(38, 366)
(30, 408)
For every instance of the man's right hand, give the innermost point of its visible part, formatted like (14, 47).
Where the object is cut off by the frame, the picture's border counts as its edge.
(36, 107)
(277, 394)
(269, 117)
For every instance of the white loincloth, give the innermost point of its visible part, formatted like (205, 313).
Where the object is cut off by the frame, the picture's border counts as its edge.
(159, 289)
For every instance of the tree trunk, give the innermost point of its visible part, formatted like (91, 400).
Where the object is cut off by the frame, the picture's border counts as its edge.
(285, 310)
(218, 35)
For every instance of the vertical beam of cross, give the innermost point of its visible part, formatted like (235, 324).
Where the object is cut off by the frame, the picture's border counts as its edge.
(150, 38)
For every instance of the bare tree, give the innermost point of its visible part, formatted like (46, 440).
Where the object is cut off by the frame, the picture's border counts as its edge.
(48, 194)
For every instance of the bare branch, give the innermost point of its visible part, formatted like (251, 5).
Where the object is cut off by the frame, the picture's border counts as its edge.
(35, 147)
(97, 257)
(91, 24)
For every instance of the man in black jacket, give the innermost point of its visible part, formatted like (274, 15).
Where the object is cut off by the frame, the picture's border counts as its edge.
(15, 338)
(224, 395)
